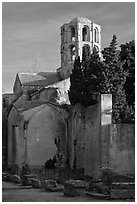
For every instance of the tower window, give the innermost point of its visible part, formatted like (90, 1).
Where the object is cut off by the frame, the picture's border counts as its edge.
(85, 33)
(72, 53)
(72, 33)
(96, 35)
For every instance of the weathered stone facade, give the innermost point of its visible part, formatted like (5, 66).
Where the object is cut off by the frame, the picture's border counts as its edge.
(36, 135)
(95, 144)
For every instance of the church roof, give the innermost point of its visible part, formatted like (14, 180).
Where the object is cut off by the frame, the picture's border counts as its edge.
(28, 105)
(38, 79)
(29, 77)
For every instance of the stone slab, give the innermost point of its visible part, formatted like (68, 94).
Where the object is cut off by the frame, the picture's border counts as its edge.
(75, 188)
(122, 193)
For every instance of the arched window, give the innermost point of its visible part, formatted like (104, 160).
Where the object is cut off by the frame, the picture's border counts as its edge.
(85, 33)
(72, 52)
(96, 35)
(72, 33)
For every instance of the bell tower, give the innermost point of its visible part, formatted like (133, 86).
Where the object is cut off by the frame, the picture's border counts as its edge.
(75, 35)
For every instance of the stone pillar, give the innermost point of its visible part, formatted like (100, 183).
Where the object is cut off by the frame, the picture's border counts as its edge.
(106, 121)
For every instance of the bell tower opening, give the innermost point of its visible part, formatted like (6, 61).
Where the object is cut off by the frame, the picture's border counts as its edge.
(72, 53)
(85, 33)
(72, 33)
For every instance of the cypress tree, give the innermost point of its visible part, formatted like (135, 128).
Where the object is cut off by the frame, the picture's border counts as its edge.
(114, 78)
(76, 81)
(127, 57)
(85, 81)
(113, 75)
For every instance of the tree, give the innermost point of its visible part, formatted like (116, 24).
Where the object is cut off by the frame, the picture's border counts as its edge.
(84, 79)
(76, 79)
(127, 57)
(114, 77)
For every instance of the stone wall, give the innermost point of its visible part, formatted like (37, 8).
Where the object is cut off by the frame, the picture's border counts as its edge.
(62, 91)
(122, 148)
(36, 135)
(95, 143)
(44, 127)
(4, 137)
(84, 139)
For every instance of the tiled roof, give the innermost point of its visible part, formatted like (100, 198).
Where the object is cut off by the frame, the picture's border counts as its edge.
(51, 76)
(29, 77)
(38, 79)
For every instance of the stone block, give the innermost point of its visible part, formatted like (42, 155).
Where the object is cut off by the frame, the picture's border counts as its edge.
(57, 189)
(98, 195)
(122, 193)
(75, 188)
(36, 183)
(27, 180)
(123, 185)
(49, 185)
(123, 190)
(5, 176)
(10, 178)
(99, 188)
(16, 179)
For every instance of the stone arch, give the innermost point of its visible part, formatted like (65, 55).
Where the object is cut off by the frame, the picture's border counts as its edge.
(96, 35)
(85, 33)
(45, 128)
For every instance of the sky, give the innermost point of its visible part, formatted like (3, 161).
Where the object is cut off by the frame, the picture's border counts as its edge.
(31, 32)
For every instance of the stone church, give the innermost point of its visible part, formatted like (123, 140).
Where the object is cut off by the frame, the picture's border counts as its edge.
(80, 32)
(37, 124)
(43, 126)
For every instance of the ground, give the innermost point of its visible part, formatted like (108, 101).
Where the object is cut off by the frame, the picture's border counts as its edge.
(13, 193)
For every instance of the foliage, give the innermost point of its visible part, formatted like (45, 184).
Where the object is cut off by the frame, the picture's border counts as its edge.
(76, 80)
(115, 75)
(127, 57)
(84, 79)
